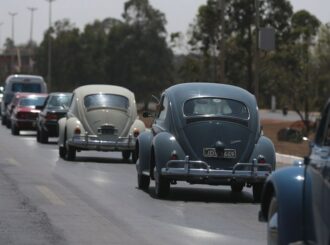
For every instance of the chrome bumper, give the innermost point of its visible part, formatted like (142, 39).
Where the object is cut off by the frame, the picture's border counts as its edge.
(200, 170)
(95, 143)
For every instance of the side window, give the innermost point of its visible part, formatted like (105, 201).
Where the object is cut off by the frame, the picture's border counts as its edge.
(163, 108)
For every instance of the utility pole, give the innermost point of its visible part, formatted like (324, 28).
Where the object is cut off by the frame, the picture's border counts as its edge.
(1, 23)
(32, 9)
(222, 7)
(256, 58)
(49, 75)
(13, 39)
(12, 26)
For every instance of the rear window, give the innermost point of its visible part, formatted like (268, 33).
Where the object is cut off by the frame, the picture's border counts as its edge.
(32, 101)
(106, 100)
(215, 107)
(59, 101)
(26, 87)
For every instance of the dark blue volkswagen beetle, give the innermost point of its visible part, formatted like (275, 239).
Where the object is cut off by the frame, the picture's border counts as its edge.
(296, 200)
(205, 133)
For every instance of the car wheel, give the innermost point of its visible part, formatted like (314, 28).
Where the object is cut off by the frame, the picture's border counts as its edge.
(43, 136)
(62, 151)
(236, 187)
(143, 181)
(272, 225)
(3, 120)
(126, 155)
(70, 153)
(8, 124)
(14, 129)
(257, 191)
(134, 156)
(162, 185)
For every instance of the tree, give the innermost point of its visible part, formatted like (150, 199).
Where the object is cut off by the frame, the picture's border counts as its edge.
(138, 56)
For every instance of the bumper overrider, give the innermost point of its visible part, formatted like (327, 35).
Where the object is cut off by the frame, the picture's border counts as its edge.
(89, 142)
(199, 172)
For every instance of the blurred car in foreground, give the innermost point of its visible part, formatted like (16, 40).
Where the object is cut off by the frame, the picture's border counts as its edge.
(205, 133)
(25, 113)
(296, 199)
(55, 107)
(101, 118)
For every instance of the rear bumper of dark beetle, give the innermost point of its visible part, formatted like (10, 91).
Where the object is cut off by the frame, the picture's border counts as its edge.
(200, 172)
(95, 143)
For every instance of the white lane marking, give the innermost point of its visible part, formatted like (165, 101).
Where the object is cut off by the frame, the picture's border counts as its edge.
(50, 195)
(12, 161)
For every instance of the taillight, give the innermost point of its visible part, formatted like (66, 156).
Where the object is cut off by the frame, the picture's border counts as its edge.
(136, 132)
(174, 156)
(261, 159)
(77, 130)
(51, 116)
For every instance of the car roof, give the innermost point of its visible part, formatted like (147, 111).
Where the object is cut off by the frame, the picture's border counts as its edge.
(103, 88)
(24, 76)
(59, 93)
(185, 91)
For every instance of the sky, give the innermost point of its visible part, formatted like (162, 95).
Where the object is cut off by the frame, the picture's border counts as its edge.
(179, 14)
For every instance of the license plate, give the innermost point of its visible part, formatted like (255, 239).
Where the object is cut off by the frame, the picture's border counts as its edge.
(212, 153)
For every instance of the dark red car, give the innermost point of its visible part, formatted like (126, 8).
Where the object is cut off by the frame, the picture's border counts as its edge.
(11, 106)
(26, 112)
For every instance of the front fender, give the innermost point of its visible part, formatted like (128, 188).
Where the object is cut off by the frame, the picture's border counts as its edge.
(164, 144)
(287, 185)
(143, 147)
(266, 148)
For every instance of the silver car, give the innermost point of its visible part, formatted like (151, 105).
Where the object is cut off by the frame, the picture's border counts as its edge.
(101, 118)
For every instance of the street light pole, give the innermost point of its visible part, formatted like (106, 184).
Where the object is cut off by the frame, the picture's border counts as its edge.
(1, 23)
(222, 7)
(49, 75)
(32, 9)
(12, 26)
(256, 58)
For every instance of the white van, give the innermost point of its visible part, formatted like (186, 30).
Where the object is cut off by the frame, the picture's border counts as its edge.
(20, 83)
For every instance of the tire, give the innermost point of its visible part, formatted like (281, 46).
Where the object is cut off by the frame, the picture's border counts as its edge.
(134, 156)
(43, 136)
(162, 185)
(126, 155)
(272, 224)
(8, 124)
(70, 153)
(237, 187)
(143, 181)
(14, 129)
(257, 191)
(3, 120)
(62, 152)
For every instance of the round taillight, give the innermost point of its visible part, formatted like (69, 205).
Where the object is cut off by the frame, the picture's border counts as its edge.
(261, 159)
(77, 130)
(174, 156)
(136, 132)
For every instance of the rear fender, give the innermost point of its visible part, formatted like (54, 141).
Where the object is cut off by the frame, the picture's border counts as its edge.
(71, 124)
(61, 128)
(139, 125)
(266, 148)
(143, 147)
(164, 145)
(287, 185)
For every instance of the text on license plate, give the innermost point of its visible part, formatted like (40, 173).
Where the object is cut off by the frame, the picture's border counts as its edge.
(211, 152)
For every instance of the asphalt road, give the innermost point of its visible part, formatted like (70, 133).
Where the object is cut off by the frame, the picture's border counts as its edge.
(94, 200)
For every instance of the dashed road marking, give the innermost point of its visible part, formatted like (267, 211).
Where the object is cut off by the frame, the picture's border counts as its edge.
(50, 195)
(12, 161)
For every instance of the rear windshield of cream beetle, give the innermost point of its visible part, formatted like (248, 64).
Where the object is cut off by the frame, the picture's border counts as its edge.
(26, 87)
(106, 100)
(215, 107)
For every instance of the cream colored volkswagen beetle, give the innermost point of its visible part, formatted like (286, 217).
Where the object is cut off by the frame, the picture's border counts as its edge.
(101, 118)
